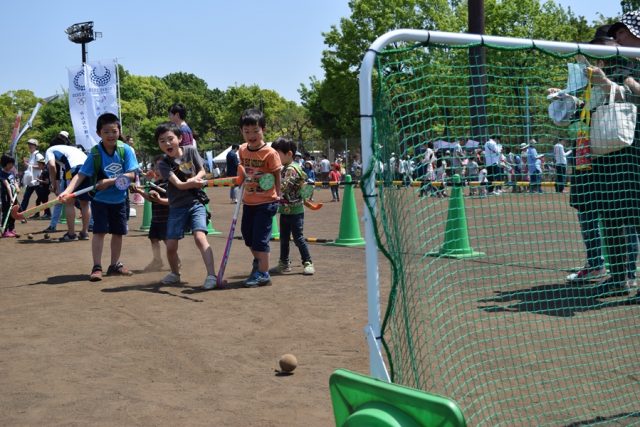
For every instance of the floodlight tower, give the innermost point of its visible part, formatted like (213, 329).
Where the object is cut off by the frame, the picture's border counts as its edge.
(82, 33)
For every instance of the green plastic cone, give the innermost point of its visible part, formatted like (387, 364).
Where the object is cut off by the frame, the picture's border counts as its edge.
(275, 231)
(456, 235)
(63, 217)
(349, 234)
(210, 230)
(146, 216)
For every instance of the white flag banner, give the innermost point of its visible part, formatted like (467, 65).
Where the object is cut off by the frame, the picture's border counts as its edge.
(209, 155)
(93, 91)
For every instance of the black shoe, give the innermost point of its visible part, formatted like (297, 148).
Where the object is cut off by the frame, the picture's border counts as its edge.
(49, 230)
(611, 288)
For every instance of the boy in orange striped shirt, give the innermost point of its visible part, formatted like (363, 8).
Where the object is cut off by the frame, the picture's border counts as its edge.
(260, 205)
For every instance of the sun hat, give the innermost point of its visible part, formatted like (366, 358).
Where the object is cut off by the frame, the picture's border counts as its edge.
(630, 20)
(33, 141)
(64, 133)
(563, 109)
(523, 145)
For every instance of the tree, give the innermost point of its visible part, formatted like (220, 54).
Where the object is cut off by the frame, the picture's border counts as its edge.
(629, 5)
(333, 102)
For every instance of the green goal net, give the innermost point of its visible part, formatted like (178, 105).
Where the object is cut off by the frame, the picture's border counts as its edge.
(494, 299)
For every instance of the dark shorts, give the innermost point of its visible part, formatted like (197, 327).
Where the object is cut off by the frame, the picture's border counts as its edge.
(109, 218)
(158, 231)
(86, 182)
(256, 225)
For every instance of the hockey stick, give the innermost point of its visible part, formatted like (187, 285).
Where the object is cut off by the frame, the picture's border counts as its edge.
(313, 206)
(222, 182)
(306, 192)
(34, 210)
(6, 220)
(227, 247)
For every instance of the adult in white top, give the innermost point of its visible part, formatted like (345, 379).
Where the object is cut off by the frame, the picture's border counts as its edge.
(561, 165)
(70, 159)
(325, 168)
(67, 157)
(492, 154)
(32, 173)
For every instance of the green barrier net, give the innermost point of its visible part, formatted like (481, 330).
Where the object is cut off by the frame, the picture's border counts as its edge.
(489, 304)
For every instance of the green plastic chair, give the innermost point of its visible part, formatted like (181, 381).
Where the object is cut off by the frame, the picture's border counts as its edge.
(359, 400)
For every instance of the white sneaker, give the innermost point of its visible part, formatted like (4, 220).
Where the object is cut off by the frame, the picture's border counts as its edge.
(308, 268)
(171, 279)
(210, 282)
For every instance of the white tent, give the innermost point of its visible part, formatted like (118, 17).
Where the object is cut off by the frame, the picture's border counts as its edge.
(221, 159)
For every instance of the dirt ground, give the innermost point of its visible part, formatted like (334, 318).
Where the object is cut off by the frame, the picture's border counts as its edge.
(127, 351)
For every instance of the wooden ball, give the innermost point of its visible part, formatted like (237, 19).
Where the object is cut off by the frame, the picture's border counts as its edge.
(288, 362)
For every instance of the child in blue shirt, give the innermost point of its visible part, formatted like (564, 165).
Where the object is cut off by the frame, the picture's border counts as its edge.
(108, 206)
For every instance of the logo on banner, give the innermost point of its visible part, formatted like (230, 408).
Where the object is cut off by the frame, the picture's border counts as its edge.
(102, 80)
(77, 79)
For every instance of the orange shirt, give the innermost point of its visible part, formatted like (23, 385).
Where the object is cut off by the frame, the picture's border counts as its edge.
(257, 163)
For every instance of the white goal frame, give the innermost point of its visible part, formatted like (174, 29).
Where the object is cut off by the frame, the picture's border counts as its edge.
(373, 333)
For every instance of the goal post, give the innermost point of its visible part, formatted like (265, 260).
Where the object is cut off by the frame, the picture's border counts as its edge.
(383, 121)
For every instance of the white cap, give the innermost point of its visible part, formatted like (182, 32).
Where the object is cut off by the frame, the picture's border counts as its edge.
(64, 133)
(33, 141)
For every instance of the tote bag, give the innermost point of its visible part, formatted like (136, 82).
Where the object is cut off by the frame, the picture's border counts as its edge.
(613, 125)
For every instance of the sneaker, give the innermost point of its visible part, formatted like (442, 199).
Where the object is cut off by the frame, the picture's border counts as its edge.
(49, 230)
(282, 267)
(587, 274)
(68, 238)
(210, 282)
(171, 279)
(83, 236)
(118, 269)
(96, 274)
(258, 279)
(254, 267)
(611, 288)
(9, 233)
(309, 269)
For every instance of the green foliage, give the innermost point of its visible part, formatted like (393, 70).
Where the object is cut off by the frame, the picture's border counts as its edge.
(212, 114)
(333, 102)
(629, 5)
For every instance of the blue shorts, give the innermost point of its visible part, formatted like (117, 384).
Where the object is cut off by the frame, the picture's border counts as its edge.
(256, 225)
(109, 218)
(192, 217)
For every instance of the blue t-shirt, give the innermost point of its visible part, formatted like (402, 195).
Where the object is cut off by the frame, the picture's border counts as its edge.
(112, 166)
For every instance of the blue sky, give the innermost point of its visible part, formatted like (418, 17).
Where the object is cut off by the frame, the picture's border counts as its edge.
(276, 44)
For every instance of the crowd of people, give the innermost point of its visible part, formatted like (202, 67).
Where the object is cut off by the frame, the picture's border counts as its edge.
(604, 190)
(179, 204)
(480, 167)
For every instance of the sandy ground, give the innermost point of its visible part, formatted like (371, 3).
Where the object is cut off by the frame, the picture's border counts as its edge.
(126, 351)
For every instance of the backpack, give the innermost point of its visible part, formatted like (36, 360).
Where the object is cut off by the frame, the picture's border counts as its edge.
(97, 160)
(301, 172)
